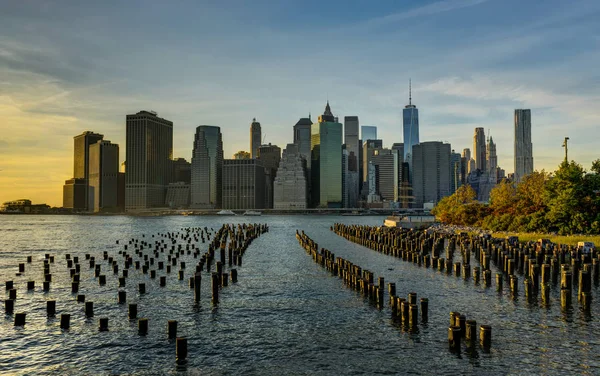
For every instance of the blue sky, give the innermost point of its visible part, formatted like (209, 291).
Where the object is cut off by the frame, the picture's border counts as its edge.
(71, 66)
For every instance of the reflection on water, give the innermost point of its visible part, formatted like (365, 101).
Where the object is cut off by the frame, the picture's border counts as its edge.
(286, 315)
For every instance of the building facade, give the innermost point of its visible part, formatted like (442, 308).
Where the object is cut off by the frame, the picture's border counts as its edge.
(351, 178)
(431, 172)
(270, 156)
(492, 158)
(290, 188)
(255, 138)
(410, 121)
(149, 154)
(368, 132)
(178, 195)
(74, 194)
(103, 183)
(479, 151)
(523, 145)
(182, 171)
(456, 171)
(385, 162)
(207, 168)
(326, 161)
(370, 147)
(81, 159)
(243, 184)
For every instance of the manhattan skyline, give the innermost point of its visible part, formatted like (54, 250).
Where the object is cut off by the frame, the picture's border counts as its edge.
(68, 67)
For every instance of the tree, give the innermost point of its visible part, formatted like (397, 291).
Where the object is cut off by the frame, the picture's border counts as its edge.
(503, 198)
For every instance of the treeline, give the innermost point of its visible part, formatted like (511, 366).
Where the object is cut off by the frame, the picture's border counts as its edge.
(566, 202)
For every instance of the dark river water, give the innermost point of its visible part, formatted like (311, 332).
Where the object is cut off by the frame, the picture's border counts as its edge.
(286, 315)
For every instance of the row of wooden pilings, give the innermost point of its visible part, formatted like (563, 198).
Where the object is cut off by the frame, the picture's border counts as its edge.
(405, 311)
(152, 255)
(540, 265)
(363, 281)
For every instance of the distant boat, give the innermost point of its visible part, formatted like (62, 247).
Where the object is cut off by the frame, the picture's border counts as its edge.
(252, 212)
(226, 212)
(353, 213)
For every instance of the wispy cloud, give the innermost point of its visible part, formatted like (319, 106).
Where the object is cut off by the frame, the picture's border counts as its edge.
(427, 10)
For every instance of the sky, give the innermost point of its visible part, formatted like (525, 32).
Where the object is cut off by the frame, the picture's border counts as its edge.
(72, 66)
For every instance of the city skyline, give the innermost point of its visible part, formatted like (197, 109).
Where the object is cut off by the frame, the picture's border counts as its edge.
(62, 72)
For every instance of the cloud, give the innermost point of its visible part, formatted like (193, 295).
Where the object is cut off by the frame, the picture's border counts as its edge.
(427, 10)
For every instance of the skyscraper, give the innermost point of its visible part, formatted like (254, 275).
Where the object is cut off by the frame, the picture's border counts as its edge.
(81, 159)
(290, 189)
(182, 171)
(523, 145)
(243, 184)
(351, 134)
(103, 176)
(431, 172)
(410, 119)
(386, 174)
(326, 161)
(370, 147)
(302, 137)
(255, 138)
(368, 132)
(270, 155)
(351, 178)
(479, 149)
(456, 174)
(492, 158)
(149, 154)
(207, 165)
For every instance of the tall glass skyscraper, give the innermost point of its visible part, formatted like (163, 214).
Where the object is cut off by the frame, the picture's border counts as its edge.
(523, 145)
(368, 132)
(207, 168)
(326, 161)
(410, 118)
(149, 156)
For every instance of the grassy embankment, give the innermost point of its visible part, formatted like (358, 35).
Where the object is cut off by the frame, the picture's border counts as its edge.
(560, 239)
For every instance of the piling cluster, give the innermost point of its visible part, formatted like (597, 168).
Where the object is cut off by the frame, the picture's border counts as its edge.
(538, 264)
(363, 281)
(463, 330)
(156, 258)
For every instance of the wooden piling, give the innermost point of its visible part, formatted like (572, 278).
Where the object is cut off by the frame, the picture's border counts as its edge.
(454, 338)
(172, 329)
(132, 313)
(485, 336)
(9, 306)
(103, 324)
(122, 299)
(65, 321)
(50, 308)
(215, 288)
(20, 319)
(89, 309)
(143, 327)
(181, 349)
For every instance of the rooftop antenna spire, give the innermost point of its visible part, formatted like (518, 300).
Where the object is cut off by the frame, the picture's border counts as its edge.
(410, 92)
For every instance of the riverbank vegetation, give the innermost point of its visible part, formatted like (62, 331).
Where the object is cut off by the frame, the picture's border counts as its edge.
(565, 202)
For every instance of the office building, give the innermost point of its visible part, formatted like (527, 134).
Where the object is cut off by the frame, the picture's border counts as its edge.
(243, 184)
(182, 171)
(491, 157)
(81, 159)
(290, 188)
(74, 192)
(431, 172)
(385, 162)
(255, 138)
(351, 177)
(368, 132)
(369, 148)
(103, 183)
(523, 145)
(270, 155)
(480, 154)
(410, 121)
(207, 165)
(302, 137)
(178, 195)
(326, 161)
(456, 172)
(149, 155)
